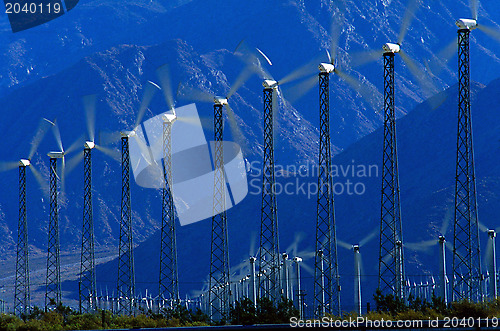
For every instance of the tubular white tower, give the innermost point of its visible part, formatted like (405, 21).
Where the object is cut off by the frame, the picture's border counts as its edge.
(357, 278)
(442, 269)
(492, 264)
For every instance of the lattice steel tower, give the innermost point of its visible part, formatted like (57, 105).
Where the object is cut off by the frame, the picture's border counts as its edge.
(53, 279)
(22, 288)
(169, 279)
(269, 239)
(87, 283)
(219, 258)
(126, 275)
(466, 251)
(326, 273)
(391, 267)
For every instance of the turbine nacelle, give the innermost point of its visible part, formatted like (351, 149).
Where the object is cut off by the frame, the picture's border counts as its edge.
(24, 163)
(220, 101)
(297, 259)
(326, 67)
(127, 134)
(391, 48)
(270, 84)
(169, 118)
(492, 233)
(442, 239)
(466, 23)
(355, 248)
(56, 155)
(89, 145)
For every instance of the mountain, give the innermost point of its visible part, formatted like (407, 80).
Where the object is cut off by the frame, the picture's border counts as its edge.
(291, 32)
(46, 71)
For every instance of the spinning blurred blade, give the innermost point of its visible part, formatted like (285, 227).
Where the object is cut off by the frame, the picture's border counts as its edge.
(89, 104)
(411, 8)
(368, 93)
(164, 75)
(473, 5)
(149, 92)
(43, 127)
(492, 32)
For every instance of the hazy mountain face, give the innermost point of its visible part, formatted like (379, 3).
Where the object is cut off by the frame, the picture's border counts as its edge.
(45, 72)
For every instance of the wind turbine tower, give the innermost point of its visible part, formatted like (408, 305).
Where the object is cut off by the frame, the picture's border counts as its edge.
(391, 271)
(22, 287)
(87, 284)
(219, 257)
(53, 280)
(126, 275)
(466, 251)
(269, 241)
(169, 278)
(326, 273)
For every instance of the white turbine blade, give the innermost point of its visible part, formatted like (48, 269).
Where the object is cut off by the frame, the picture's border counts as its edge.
(423, 246)
(369, 93)
(43, 182)
(206, 122)
(43, 127)
(367, 239)
(307, 268)
(253, 242)
(449, 246)
(234, 127)
(264, 56)
(473, 4)
(240, 80)
(190, 93)
(6, 166)
(482, 227)
(489, 251)
(108, 138)
(387, 258)
(57, 136)
(292, 248)
(145, 150)
(343, 244)
(492, 32)
(423, 79)
(411, 8)
(113, 153)
(296, 92)
(75, 145)
(89, 104)
(251, 57)
(440, 62)
(164, 75)
(149, 91)
(335, 30)
(73, 162)
(361, 267)
(304, 71)
(446, 221)
(361, 58)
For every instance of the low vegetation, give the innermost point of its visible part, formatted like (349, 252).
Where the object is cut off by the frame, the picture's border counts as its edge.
(244, 312)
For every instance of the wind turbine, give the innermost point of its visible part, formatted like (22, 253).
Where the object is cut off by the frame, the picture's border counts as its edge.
(53, 277)
(466, 254)
(358, 266)
(22, 297)
(169, 277)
